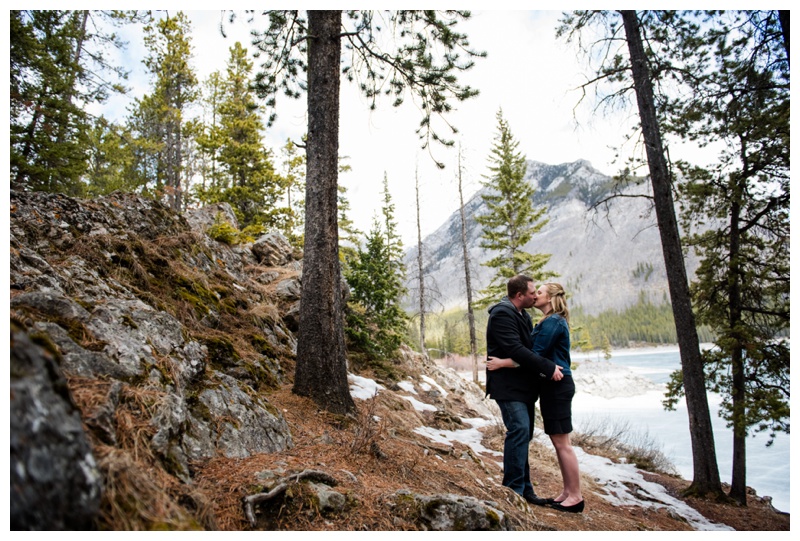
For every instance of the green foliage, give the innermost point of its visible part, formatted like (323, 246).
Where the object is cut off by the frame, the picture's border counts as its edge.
(57, 69)
(292, 182)
(375, 320)
(737, 207)
(111, 159)
(423, 56)
(222, 231)
(448, 332)
(158, 120)
(511, 220)
(643, 323)
(243, 173)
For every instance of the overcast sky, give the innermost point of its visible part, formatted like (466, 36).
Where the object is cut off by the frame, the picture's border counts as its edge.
(528, 73)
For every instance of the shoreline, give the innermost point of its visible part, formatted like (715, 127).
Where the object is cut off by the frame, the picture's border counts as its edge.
(636, 350)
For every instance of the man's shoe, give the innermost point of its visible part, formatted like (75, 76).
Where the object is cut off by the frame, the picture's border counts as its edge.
(531, 497)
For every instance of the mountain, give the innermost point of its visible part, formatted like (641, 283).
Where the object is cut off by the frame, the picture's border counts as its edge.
(605, 258)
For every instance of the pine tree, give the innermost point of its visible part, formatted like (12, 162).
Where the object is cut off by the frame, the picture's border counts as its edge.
(428, 51)
(511, 220)
(209, 139)
(110, 159)
(56, 70)
(251, 185)
(292, 181)
(741, 289)
(377, 321)
(641, 70)
(376, 277)
(175, 89)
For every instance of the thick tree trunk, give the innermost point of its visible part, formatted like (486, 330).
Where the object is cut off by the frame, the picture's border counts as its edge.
(706, 472)
(473, 342)
(321, 370)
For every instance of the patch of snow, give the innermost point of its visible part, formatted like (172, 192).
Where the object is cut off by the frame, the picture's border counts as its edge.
(434, 383)
(419, 406)
(363, 388)
(407, 386)
(624, 483)
(617, 480)
(471, 437)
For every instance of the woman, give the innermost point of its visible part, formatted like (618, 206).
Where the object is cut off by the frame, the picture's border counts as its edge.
(551, 340)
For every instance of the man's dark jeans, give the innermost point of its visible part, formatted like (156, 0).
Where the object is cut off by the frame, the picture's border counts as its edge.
(518, 418)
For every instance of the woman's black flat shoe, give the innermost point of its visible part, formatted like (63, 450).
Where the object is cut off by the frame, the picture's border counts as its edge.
(577, 508)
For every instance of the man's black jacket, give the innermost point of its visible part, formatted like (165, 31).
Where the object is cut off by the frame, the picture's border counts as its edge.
(508, 335)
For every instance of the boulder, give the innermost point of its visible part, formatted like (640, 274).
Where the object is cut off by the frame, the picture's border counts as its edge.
(55, 482)
(272, 250)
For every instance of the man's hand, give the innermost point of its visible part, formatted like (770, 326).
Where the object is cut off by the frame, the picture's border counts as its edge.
(557, 375)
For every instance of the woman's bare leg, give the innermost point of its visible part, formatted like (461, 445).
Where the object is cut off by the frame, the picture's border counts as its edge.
(570, 473)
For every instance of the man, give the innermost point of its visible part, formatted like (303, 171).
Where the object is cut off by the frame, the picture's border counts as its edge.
(508, 335)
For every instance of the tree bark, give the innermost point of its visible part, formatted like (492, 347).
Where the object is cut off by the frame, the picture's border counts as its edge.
(706, 472)
(321, 369)
(473, 343)
(421, 280)
(738, 489)
(783, 16)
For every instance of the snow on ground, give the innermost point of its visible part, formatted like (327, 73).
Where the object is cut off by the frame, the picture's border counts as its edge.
(623, 483)
(618, 480)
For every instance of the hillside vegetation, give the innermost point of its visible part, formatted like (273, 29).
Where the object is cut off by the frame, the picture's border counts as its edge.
(151, 374)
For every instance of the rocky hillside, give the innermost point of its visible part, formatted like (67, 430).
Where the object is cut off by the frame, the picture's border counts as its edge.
(150, 379)
(605, 258)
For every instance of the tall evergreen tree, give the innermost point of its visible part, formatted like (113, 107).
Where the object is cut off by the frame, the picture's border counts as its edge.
(174, 90)
(512, 219)
(209, 139)
(249, 182)
(637, 69)
(742, 285)
(427, 53)
(56, 69)
(376, 276)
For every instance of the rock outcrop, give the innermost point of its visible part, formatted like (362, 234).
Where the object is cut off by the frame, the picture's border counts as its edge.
(133, 306)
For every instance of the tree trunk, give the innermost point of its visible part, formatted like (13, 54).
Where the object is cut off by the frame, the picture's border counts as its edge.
(706, 472)
(471, 316)
(738, 489)
(783, 16)
(421, 280)
(321, 369)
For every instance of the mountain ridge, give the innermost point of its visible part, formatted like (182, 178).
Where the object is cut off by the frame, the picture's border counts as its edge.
(607, 256)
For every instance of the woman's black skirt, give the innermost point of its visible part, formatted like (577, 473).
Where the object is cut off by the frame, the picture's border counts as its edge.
(555, 403)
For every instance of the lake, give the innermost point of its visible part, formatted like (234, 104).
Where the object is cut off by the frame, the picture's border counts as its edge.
(768, 468)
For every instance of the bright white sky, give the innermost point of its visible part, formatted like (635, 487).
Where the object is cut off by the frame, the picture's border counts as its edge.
(527, 73)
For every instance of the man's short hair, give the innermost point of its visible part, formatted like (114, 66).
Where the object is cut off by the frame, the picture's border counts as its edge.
(518, 284)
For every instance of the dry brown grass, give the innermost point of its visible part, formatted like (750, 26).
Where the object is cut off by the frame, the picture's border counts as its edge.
(372, 464)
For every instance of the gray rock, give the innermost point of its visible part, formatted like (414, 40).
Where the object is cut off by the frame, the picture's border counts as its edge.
(204, 217)
(55, 482)
(330, 500)
(449, 512)
(272, 250)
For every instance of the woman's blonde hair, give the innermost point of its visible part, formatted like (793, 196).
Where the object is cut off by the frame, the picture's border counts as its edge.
(558, 298)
